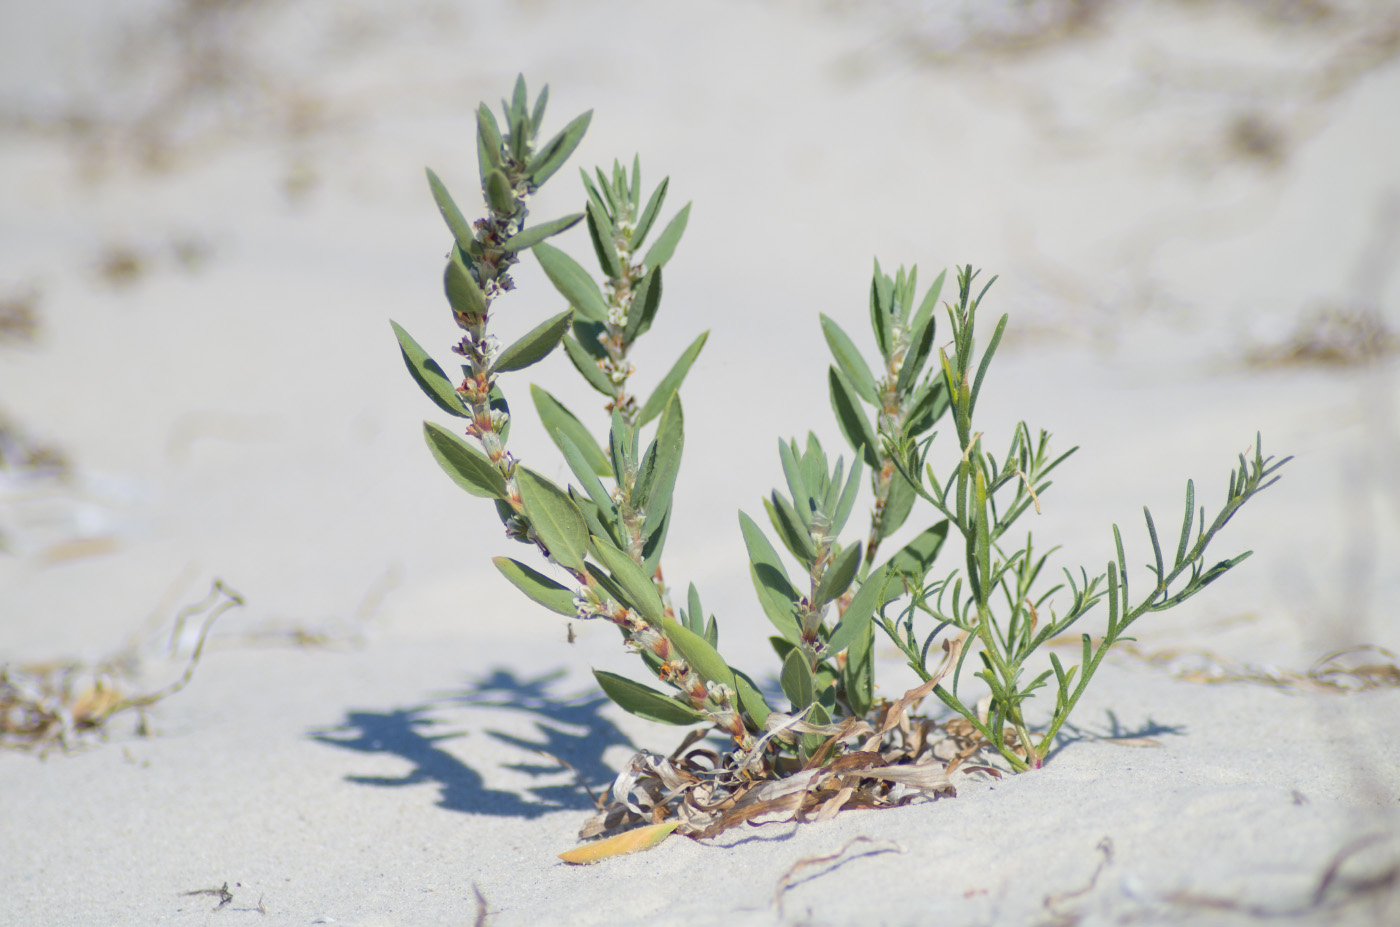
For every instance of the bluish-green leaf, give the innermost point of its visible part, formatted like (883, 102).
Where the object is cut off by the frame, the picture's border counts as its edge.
(644, 701)
(697, 651)
(849, 415)
(556, 418)
(488, 142)
(665, 245)
(858, 672)
(557, 150)
(463, 294)
(555, 518)
(796, 480)
(646, 298)
(847, 499)
(428, 375)
(849, 360)
(537, 586)
(775, 591)
(572, 282)
(588, 368)
(915, 558)
(537, 233)
(838, 575)
(648, 215)
(461, 228)
(499, 195)
(898, 504)
(797, 681)
(751, 699)
(656, 402)
(638, 587)
(469, 468)
(600, 231)
(920, 344)
(791, 531)
(856, 618)
(660, 466)
(536, 344)
(584, 473)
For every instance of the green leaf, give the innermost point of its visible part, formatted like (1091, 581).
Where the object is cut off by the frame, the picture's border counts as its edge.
(847, 499)
(497, 401)
(916, 557)
(858, 673)
(428, 375)
(635, 583)
(811, 743)
(537, 117)
(469, 468)
(665, 245)
(538, 233)
(694, 614)
(796, 480)
(499, 195)
(555, 518)
(644, 701)
(572, 282)
(929, 403)
(535, 345)
(881, 297)
(648, 215)
(850, 361)
(849, 415)
(557, 419)
(660, 466)
(537, 586)
(646, 298)
(584, 473)
(557, 150)
(921, 343)
(838, 575)
(898, 504)
(791, 531)
(775, 591)
(600, 230)
(856, 618)
(697, 651)
(488, 142)
(462, 292)
(461, 228)
(751, 700)
(653, 541)
(585, 364)
(621, 445)
(930, 304)
(594, 516)
(656, 402)
(797, 681)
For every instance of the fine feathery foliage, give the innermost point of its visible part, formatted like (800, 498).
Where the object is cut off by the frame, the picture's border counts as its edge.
(833, 744)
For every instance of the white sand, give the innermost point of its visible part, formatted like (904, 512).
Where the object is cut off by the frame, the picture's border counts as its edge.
(249, 419)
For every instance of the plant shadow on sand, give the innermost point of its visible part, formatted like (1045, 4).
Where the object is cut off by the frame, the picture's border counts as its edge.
(569, 728)
(1115, 732)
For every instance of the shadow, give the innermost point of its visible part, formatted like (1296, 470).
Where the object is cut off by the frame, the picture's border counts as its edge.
(570, 728)
(1071, 733)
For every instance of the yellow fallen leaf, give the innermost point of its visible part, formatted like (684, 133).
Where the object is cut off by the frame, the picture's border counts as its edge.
(632, 841)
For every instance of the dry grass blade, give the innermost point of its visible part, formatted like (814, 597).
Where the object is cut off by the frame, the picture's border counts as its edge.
(1105, 849)
(1332, 673)
(632, 841)
(787, 881)
(55, 703)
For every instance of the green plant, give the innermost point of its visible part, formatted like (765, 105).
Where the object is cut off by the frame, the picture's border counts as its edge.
(836, 745)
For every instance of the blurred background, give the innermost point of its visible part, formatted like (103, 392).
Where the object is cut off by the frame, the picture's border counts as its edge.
(209, 209)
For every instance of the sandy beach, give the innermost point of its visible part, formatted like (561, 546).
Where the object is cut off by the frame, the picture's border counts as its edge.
(210, 211)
